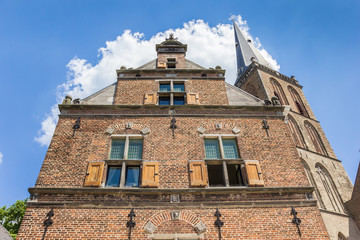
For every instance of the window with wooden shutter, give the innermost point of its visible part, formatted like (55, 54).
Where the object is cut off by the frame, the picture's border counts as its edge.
(150, 98)
(150, 174)
(192, 98)
(94, 174)
(253, 173)
(198, 177)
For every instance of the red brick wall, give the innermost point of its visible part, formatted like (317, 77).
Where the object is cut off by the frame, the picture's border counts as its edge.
(239, 223)
(67, 158)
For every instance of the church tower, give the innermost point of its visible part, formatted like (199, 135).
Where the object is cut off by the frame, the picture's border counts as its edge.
(325, 172)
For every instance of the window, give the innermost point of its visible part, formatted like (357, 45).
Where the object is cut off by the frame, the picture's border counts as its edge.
(219, 148)
(298, 102)
(124, 173)
(171, 63)
(278, 92)
(315, 138)
(330, 196)
(296, 134)
(126, 148)
(171, 93)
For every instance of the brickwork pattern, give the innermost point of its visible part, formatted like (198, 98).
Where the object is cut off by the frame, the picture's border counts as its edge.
(65, 164)
(239, 223)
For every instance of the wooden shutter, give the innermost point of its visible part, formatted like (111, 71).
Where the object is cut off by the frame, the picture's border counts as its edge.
(94, 174)
(150, 174)
(150, 98)
(192, 98)
(253, 173)
(161, 65)
(198, 176)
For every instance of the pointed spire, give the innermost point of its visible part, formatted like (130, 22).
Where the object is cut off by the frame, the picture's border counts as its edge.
(245, 52)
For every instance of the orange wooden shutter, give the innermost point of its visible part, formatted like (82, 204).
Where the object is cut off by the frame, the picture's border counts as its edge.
(94, 174)
(253, 173)
(192, 98)
(198, 176)
(150, 98)
(150, 174)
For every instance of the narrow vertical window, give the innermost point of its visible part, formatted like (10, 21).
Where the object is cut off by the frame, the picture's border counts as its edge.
(212, 150)
(230, 149)
(216, 175)
(298, 102)
(135, 149)
(113, 177)
(117, 149)
(278, 92)
(315, 138)
(132, 176)
(235, 176)
(296, 134)
(178, 87)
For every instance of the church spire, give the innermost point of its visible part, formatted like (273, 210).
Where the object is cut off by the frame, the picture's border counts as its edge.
(245, 51)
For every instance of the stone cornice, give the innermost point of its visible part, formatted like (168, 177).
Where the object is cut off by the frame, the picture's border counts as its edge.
(181, 191)
(170, 70)
(181, 205)
(255, 65)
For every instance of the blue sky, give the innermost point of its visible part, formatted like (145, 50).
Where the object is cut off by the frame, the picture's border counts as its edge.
(317, 41)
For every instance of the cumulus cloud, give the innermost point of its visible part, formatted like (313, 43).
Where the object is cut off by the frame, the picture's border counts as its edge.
(1, 157)
(207, 46)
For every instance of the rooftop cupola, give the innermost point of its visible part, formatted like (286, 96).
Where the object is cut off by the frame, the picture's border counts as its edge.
(171, 53)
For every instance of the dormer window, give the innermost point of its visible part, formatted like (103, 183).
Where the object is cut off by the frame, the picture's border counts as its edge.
(171, 63)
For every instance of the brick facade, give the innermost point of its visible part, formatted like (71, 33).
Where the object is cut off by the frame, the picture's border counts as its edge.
(270, 173)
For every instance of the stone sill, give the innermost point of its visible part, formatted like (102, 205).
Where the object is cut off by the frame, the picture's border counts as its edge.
(181, 191)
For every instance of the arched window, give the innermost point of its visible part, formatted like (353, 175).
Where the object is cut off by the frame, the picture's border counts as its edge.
(315, 138)
(278, 92)
(298, 102)
(297, 136)
(331, 196)
(313, 183)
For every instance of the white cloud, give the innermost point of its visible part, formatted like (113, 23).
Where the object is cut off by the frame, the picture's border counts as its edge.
(1, 157)
(207, 46)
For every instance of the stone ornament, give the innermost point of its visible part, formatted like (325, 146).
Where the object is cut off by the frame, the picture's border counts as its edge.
(129, 125)
(175, 198)
(150, 227)
(218, 126)
(201, 129)
(200, 227)
(236, 130)
(67, 100)
(110, 130)
(175, 215)
(145, 131)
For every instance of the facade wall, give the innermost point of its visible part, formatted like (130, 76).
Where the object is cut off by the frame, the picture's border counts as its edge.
(239, 223)
(337, 223)
(132, 92)
(67, 159)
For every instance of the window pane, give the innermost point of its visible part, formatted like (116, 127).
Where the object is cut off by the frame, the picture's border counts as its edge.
(132, 176)
(113, 177)
(179, 100)
(164, 100)
(212, 150)
(230, 149)
(216, 175)
(235, 177)
(135, 149)
(164, 87)
(117, 149)
(178, 87)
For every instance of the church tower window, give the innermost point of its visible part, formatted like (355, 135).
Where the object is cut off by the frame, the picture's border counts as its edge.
(315, 138)
(298, 102)
(278, 92)
(296, 134)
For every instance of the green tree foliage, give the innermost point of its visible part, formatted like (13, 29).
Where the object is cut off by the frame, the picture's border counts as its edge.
(12, 216)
